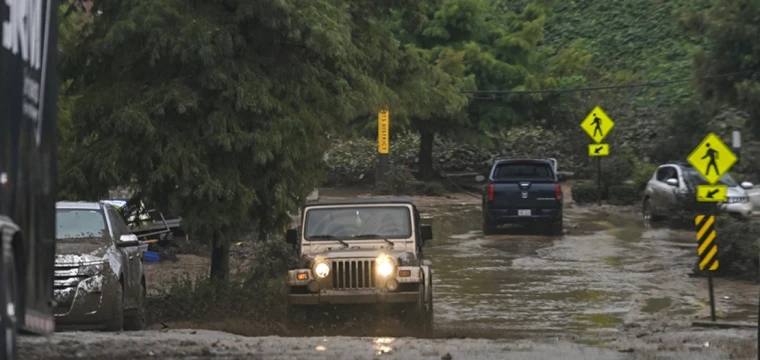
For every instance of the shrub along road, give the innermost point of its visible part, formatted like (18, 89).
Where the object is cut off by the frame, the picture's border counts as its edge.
(609, 282)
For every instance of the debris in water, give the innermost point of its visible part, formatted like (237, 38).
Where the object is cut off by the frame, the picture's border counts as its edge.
(446, 357)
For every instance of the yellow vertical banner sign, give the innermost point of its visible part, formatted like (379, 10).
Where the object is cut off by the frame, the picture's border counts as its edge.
(383, 131)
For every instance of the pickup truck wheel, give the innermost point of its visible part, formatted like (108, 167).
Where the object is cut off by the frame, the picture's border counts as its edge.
(489, 228)
(558, 228)
(136, 322)
(116, 323)
(8, 307)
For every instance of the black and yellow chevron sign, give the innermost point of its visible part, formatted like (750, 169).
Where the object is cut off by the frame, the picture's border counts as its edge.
(707, 249)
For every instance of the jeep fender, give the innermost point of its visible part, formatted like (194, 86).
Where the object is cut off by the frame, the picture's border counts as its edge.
(428, 283)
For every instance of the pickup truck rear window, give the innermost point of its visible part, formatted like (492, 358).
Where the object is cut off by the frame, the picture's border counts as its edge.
(523, 170)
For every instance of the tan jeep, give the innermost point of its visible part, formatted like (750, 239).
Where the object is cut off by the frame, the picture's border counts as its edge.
(362, 251)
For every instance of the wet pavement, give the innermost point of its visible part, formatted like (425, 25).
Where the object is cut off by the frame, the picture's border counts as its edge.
(608, 287)
(609, 272)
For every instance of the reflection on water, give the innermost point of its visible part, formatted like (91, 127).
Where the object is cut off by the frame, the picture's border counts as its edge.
(383, 345)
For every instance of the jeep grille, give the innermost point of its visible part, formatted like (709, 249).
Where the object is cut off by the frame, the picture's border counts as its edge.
(353, 274)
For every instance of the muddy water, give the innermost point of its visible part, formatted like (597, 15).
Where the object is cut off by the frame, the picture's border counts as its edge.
(609, 270)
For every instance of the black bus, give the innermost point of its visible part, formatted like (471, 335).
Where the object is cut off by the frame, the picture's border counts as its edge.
(28, 186)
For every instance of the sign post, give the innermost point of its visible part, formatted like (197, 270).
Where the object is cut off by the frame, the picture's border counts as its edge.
(712, 159)
(597, 125)
(383, 144)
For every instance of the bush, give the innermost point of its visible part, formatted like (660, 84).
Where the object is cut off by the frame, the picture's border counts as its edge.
(400, 181)
(641, 175)
(616, 170)
(623, 195)
(201, 299)
(584, 193)
(738, 248)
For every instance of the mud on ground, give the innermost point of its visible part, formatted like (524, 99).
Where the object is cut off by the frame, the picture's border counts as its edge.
(608, 286)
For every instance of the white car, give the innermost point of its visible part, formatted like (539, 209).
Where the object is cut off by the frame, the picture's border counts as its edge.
(661, 196)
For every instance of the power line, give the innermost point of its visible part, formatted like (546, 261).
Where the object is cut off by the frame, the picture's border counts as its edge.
(599, 88)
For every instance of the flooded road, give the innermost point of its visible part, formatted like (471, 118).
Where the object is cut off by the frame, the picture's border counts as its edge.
(608, 271)
(609, 288)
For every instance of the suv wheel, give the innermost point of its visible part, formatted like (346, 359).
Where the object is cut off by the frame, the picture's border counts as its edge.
(117, 312)
(137, 321)
(646, 211)
(558, 228)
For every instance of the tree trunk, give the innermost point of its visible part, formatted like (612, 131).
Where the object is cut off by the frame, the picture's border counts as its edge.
(425, 165)
(220, 259)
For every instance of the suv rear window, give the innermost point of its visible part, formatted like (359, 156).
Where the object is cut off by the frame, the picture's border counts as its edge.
(524, 170)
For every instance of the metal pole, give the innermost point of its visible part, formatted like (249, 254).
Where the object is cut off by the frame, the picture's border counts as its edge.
(712, 295)
(599, 179)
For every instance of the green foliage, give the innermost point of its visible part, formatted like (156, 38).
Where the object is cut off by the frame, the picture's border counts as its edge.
(584, 193)
(642, 174)
(731, 45)
(220, 110)
(623, 195)
(616, 169)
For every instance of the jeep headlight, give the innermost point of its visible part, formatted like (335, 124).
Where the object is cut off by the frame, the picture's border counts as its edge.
(92, 268)
(385, 265)
(322, 270)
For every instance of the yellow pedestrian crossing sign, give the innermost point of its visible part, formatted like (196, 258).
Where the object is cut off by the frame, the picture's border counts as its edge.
(599, 150)
(712, 193)
(712, 158)
(597, 124)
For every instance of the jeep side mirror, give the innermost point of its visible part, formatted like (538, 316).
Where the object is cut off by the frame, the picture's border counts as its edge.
(480, 178)
(747, 185)
(128, 240)
(427, 232)
(291, 237)
(561, 177)
(672, 182)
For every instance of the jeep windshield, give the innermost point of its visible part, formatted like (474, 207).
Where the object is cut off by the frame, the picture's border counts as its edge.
(358, 223)
(693, 178)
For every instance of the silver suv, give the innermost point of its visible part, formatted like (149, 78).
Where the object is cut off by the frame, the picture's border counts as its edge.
(670, 182)
(362, 251)
(99, 281)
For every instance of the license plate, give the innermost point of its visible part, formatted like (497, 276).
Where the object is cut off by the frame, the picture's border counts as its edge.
(523, 212)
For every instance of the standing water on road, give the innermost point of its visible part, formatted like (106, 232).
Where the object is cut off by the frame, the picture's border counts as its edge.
(585, 284)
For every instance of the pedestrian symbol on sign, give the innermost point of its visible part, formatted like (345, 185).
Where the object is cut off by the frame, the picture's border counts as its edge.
(598, 125)
(712, 159)
(713, 155)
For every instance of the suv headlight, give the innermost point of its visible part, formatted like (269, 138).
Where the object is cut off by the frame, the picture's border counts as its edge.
(322, 270)
(92, 268)
(385, 265)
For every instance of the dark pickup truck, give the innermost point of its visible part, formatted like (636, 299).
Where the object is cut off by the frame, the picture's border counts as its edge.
(522, 191)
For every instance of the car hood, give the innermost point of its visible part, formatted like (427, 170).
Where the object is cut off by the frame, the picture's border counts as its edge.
(79, 251)
(736, 191)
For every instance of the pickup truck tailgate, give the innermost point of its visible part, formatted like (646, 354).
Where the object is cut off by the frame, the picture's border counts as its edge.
(523, 195)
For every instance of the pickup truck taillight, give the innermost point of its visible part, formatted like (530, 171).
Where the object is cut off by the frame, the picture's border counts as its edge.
(490, 192)
(558, 192)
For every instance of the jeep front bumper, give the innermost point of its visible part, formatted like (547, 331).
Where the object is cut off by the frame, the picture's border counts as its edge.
(310, 290)
(353, 297)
